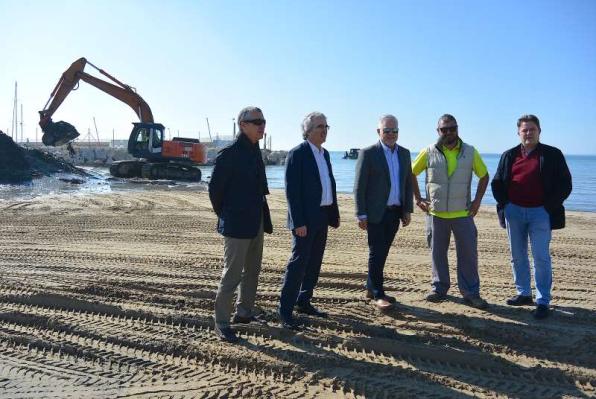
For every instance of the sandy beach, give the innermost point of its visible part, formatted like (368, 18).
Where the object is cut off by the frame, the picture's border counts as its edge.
(111, 295)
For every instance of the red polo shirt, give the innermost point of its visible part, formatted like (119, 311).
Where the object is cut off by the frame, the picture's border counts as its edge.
(526, 185)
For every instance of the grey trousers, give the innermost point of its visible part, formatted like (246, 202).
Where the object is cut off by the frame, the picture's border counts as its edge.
(242, 265)
(466, 246)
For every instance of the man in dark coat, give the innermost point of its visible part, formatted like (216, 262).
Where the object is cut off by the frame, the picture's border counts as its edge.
(237, 192)
(530, 185)
(312, 207)
(383, 194)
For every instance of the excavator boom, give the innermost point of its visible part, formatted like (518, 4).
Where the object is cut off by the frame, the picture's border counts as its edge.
(62, 132)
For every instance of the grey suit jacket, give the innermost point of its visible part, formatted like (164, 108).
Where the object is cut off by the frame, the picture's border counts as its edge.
(373, 184)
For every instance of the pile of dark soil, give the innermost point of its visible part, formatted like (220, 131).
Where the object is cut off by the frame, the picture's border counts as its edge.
(20, 165)
(14, 168)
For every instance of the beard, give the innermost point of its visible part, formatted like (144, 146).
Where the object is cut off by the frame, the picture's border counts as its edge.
(447, 140)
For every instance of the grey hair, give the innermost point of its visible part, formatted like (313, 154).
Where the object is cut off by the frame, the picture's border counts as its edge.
(307, 123)
(447, 118)
(243, 114)
(388, 116)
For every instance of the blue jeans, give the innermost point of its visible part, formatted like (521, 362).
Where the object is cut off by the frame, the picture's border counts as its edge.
(534, 223)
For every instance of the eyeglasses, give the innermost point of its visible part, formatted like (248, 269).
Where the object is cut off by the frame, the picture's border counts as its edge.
(326, 127)
(448, 129)
(388, 130)
(257, 122)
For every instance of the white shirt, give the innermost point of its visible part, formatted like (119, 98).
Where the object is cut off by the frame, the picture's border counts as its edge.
(327, 196)
(393, 164)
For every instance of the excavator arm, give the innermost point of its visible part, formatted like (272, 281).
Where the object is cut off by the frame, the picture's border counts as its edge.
(58, 133)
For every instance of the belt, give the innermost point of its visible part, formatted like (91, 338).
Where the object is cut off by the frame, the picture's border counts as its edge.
(394, 207)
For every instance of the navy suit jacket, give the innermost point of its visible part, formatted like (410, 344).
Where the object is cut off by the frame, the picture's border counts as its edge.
(237, 190)
(304, 190)
(373, 184)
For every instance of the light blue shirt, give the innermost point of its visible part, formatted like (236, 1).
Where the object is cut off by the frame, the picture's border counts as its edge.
(393, 164)
(327, 196)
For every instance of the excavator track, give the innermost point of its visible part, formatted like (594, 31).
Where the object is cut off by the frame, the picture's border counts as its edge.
(170, 171)
(155, 170)
(126, 169)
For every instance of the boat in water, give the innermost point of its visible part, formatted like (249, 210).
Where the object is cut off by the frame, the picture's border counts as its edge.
(352, 154)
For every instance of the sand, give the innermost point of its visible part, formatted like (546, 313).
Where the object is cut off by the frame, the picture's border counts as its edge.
(111, 295)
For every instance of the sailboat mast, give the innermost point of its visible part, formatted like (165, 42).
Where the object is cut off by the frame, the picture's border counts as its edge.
(13, 127)
(22, 137)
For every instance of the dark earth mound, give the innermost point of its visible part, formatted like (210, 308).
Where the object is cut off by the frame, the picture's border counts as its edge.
(20, 165)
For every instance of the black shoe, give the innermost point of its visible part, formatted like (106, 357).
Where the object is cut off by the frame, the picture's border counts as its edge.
(436, 297)
(541, 312)
(226, 334)
(310, 310)
(258, 318)
(476, 302)
(520, 300)
(290, 325)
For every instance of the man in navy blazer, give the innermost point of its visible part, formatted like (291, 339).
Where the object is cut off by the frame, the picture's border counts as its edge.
(312, 207)
(383, 194)
(237, 192)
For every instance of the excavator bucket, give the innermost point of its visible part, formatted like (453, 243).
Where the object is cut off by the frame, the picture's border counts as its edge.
(58, 133)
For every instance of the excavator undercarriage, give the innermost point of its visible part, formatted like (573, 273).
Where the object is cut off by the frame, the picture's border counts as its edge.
(155, 170)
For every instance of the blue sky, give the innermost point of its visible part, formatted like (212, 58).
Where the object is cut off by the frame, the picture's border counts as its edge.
(486, 62)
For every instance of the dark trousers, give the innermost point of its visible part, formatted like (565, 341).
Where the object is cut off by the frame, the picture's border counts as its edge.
(380, 238)
(304, 266)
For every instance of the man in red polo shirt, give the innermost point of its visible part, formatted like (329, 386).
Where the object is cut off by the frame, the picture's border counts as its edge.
(530, 185)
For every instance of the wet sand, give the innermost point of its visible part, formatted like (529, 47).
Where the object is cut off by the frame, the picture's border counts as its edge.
(111, 295)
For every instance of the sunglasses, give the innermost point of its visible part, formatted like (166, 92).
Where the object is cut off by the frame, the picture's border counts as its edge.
(322, 127)
(449, 129)
(257, 122)
(388, 130)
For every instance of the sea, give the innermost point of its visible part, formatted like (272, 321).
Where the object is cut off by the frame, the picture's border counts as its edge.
(582, 198)
(582, 167)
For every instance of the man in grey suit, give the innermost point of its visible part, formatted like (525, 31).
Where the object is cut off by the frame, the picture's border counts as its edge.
(383, 194)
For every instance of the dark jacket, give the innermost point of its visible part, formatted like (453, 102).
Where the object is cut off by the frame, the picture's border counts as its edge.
(556, 181)
(237, 190)
(373, 183)
(304, 190)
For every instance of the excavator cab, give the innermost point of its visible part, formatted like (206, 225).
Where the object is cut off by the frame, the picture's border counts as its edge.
(146, 140)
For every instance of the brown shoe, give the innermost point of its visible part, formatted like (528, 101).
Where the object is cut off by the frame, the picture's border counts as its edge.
(369, 295)
(383, 304)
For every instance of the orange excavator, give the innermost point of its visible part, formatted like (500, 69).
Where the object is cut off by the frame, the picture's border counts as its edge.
(156, 158)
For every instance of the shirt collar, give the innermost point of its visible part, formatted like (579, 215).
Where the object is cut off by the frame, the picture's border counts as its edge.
(456, 148)
(314, 148)
(525, 152)
(386, 148)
